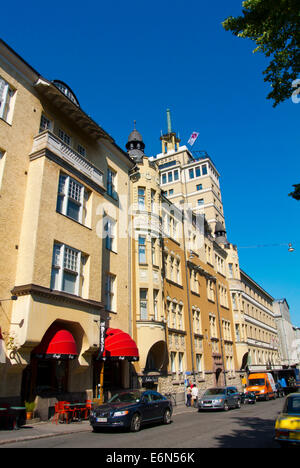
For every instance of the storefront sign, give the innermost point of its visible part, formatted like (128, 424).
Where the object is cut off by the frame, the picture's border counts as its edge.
(150, 379)
(101, 339)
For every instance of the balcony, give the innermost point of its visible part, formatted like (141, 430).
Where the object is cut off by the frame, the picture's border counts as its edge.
(48, 141)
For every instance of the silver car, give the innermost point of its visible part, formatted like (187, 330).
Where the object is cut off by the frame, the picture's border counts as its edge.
(220, 398)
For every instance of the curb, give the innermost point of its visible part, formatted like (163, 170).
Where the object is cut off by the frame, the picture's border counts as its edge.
(181, 409)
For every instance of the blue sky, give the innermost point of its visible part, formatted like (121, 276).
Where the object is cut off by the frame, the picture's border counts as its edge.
(132, 60)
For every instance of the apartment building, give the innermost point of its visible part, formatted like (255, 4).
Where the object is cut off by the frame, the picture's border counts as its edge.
(181, 303)
(64, 268)
(191, 178)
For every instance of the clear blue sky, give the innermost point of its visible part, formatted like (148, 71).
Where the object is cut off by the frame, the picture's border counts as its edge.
(132, 60)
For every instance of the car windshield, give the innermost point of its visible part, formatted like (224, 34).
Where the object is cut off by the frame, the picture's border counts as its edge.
(125, 397)
(256, 382)
(215, 391)
(292, 405)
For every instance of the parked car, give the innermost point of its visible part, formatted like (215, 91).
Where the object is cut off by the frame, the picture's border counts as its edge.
(248, 398)
(131, 410)
(287, 425)
(220, 398)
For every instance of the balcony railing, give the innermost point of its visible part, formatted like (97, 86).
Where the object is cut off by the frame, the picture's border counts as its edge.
(47, 140)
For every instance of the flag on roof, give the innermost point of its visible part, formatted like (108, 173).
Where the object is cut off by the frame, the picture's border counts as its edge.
(193, 138)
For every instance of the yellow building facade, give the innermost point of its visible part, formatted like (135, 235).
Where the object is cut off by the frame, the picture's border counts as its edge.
(181, 303)
(64, 267)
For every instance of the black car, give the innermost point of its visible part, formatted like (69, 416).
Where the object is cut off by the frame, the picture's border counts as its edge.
(132, 409)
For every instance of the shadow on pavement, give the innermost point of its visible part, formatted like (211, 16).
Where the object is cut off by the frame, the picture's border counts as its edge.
(253, 433)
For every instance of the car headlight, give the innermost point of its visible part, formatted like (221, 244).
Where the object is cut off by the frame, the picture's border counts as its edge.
(262, 391)
(120, 413)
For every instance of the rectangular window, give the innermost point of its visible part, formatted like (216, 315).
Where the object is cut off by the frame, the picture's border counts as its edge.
(110, 233)
(204, 169)
(155, 303)
(67, 272)
(153, 250)
(199, 362)
(7, 95)
(171, 192)
(173, 362)
(71, 198)
(81, 150)
(176, 174)
(143, 304)
(110, 299)
(170, 176)
(199, 187)
(191, 173)
(198, 171)
(180, 362)
(164, 179)
(142, 249)
(201, 201)
(45, 124)
(111, 183)
(64, 137)
(141, 198)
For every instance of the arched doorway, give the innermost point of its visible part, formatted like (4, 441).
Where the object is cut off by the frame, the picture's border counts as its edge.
(157, 358)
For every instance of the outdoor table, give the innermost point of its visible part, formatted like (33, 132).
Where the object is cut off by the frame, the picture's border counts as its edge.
(78, 407)
(14, 412)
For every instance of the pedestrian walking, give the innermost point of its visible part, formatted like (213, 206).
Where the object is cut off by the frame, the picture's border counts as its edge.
(188, 396)
(195, 395)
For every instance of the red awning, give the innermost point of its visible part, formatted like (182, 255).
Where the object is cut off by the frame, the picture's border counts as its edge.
(57, 343)
(119, 345)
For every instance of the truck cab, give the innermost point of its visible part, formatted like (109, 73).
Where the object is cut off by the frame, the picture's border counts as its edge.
(262, 384)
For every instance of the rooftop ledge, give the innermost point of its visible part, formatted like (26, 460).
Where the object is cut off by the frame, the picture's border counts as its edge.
(48, 141)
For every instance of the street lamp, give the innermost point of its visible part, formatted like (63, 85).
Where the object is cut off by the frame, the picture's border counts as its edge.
(12, 298)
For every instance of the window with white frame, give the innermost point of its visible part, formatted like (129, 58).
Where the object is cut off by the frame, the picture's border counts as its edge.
(72, 198)
(111, 183)
(7, 95)
(67, 269)
(199, 362)
(110, 234)
(155, 303)
(110, 293)
(173, 362)
(180, 362)
(143, 304)
(153, 250)
(142, 249)
(141, 198)
(45, 123)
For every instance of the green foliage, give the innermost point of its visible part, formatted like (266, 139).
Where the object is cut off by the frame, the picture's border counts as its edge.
(274, 25)
(296, 193)
(30, 406)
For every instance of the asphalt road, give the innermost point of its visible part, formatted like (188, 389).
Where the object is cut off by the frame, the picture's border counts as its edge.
(252, 426)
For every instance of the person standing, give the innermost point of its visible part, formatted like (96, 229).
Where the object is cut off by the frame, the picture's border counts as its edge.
(195, 395)
(188, 396)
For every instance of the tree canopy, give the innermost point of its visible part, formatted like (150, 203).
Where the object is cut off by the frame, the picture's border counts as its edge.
(296, 193)
(274, 25)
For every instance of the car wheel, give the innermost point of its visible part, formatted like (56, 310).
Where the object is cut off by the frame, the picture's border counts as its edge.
(226, 407)
(135, 424)
(167, 416)
(96, 429)
(238, 404)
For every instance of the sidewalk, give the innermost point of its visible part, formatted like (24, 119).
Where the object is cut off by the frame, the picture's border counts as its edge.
(43, 429)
